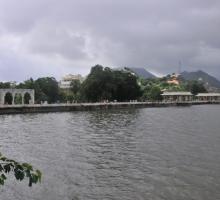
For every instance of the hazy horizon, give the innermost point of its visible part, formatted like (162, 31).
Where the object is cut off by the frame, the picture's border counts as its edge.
(84, 75)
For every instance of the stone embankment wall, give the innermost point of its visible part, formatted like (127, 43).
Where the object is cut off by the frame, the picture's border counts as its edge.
(17, 109)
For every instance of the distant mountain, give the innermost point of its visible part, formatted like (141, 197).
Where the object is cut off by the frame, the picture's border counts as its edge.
(202, 76)
(141, 72)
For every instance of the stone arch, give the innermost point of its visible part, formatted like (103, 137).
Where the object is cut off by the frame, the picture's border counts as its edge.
(18, 98)
(8, 98)
(27, 98)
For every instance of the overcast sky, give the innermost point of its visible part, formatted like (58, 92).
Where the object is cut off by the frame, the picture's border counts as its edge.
(57, 37)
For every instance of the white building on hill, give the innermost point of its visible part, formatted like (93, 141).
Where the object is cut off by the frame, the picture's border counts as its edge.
(65, 82)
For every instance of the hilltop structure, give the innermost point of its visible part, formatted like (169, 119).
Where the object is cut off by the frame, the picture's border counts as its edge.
(174, 79)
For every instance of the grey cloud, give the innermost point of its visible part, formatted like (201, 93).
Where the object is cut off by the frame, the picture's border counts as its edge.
(57, 41)
(155, 34)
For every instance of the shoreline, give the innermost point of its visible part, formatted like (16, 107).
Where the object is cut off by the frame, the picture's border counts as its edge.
(47, 108)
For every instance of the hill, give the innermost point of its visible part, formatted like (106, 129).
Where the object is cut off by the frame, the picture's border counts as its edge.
(203, 77)
(141, 72)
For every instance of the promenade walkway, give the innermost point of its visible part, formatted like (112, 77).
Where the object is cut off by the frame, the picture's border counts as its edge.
(68, 107)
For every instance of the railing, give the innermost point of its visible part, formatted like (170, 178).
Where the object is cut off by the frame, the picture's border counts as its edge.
(163, 102)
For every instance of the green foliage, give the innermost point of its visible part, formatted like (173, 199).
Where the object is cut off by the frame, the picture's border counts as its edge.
(27, 98)
(20, 171)
(152, 87)
(103, 84)
(75, 86)
(18, 99)
(152, 94)
(107, 84)
(5, 85)
(8, 98)
(162, 84)
(46, 89)
(68, 96)
(195, 87)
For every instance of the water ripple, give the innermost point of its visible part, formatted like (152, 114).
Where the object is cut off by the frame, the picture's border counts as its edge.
(154, 153)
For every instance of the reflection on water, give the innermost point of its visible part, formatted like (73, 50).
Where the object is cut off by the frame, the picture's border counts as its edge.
(153, 153)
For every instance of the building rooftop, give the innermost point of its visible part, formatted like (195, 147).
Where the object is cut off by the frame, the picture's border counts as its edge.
(208, 95)
(65, 82)
(177, 94)
(71, 77)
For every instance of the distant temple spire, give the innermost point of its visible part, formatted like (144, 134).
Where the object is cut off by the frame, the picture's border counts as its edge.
(180, 67)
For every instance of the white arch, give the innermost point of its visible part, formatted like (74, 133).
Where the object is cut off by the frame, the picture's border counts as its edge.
(13, 92)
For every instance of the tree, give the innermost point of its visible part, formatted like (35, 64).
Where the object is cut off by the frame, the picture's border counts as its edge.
(20, 171)
(107, 84)
(8, 99)
(152, 93)
(126, 85)
(97, 86)
(195, 87)
(47, 89)
(5, 85)
(75, 86)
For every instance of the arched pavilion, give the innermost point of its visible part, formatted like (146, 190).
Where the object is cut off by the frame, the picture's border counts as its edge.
(12, 92)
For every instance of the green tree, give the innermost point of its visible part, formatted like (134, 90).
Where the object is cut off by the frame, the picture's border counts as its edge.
(152, 94)
(107, 84)
(126, 86)
(19, 170)
(96, 87)
(8, 98)
(47, 89)
(75, 86)
(195, 87)
(5, 85)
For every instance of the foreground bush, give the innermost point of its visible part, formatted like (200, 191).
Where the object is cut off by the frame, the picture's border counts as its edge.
(20, 171)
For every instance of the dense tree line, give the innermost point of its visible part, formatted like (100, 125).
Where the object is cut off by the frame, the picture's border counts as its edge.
(46, 89)
(104, 83)
(153, 88)
(5, 85)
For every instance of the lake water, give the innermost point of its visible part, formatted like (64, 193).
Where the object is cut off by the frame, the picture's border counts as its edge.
(130, 154)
